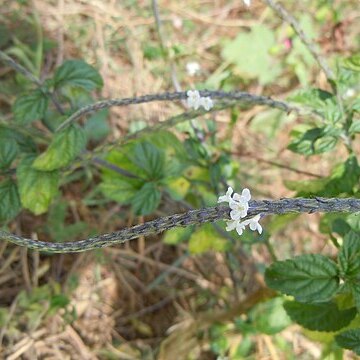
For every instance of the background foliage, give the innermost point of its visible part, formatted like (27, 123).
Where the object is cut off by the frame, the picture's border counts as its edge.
(196, 292)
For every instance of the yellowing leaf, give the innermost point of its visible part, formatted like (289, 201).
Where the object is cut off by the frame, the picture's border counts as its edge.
(36, 188)
(65, 146)
(206, 239)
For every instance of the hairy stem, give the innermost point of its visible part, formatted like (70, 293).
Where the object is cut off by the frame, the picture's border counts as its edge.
(193, 217)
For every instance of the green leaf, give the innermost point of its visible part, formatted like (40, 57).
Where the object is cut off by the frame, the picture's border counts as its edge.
(319, 100)
(269, 317)
(57, 226)
(355, 291)
(250, 52)
(177, 235)
(344, 179)
(96, 127)
(78, 73)
(149, 158)
(25, 143)
(349, 339)
(119, 189)
(352, 63)
(8, 150)
(206, 239)
(349, 256)
(9, 200)
(354, 127)
(30, 107)
(354, 221)
(64, 148)
(146, 200)
(314, 141)
(177, 187)
(58, 301)
(37, 188)
(307, 187)
(309, 278)
(313, 98)
(319, 317)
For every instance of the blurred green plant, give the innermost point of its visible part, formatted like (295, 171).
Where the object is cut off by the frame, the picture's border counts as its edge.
(191, 172)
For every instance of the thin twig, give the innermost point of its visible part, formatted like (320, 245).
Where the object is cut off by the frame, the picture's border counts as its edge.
(283, 166)
(194, 217)
(287, 17)
(19, 68)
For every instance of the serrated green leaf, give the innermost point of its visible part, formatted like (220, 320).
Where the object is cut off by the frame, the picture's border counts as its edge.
(25, 143)
(8, 150)
(119, 189)
(309, 278)
(349, 255)
(206, 239)
(30, 107)
(78, 73)
(149, 158)
(36, 188)
(314, 141)
(250, 52)
(319, 317)
(314, 98)
(9, 200)
(349, 339)
(63, 149)
(146, 200)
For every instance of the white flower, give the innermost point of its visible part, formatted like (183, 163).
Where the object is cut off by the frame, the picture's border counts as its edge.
(192, 68)
(247, 2)
(193, 100)
(239, 205)
(235, 224)
(244, 197)
(227, 196)
(254, 224)
(238, 209)
(206, 103)
(231, 225)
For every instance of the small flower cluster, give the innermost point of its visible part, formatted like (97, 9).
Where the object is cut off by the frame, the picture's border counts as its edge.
(239, 205)
(247, 2)
(194, 100)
